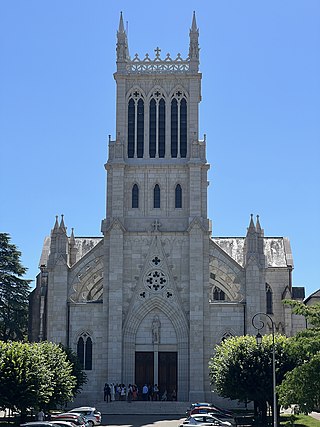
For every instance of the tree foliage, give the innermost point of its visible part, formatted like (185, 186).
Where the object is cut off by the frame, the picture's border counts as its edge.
(14, 292)
(34, 375)
(77, 372)
(310, 312)
(302, 385)
(240, 369)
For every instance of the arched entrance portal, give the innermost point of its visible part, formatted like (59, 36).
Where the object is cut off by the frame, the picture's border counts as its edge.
(156, 349)
(158, 367)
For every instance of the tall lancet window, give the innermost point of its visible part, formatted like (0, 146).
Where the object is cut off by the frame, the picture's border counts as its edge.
(179, 125)
(156, 196)
(152, 128)
(131, 127)
(135, 196)
(183, 128)
(178, 196)
(135, 125)
(157, 125)
(140, 127)
(269, 302)
(162, 128)
(84, 351)
(174, 128)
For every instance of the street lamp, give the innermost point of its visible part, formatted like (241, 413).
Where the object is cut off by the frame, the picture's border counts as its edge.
(259, 341)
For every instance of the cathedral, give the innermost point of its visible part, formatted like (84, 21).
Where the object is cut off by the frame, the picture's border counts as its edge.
(146, 301)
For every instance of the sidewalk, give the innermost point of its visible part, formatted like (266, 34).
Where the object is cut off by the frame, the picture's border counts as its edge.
(315, 415)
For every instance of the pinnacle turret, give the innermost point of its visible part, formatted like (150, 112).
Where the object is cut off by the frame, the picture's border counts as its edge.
(56, 225)
(194, 23)
(260, 230)
(62, 226)
(72, 249)
(254, 242)
(251, 228)
(194, 45)
(122, 46)
(121, 26)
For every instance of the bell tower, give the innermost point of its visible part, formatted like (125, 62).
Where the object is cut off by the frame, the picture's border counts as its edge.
(157, 165)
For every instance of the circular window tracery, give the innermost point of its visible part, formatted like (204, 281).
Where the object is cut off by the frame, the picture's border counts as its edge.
(155, 280)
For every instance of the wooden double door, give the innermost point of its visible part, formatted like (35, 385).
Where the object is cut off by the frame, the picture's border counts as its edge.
(147, 368)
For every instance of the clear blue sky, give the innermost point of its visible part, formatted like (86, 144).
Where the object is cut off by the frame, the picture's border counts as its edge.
(260, 110)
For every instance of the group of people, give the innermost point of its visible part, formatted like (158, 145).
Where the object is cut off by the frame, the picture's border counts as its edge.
(113, 392)
(121, 392)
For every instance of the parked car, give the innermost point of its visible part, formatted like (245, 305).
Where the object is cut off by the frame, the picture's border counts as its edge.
(77, 419)
(92, 415)
(204, 420)
(61, 423)
(201, 407)
(215, 411)
(38, 424)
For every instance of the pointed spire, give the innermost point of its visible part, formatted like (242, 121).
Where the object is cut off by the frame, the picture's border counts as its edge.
(122, 46)
(251, 228)
(258, 226)
(72, 239)
(121, 26)
(260, 233)
(194, 27)
(56, 225)
(194, 45)
(62, 226)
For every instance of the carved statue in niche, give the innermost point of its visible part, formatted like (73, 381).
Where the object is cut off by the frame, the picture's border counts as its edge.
(156, 325)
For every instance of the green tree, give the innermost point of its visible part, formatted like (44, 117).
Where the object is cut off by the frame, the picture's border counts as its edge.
(14, 292)
(24, 378)
(77, 371)
(310, 312)
(240, 369)
(34, 375)
(302, 385)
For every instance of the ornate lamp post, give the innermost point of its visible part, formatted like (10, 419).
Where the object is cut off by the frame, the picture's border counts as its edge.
(259, 341)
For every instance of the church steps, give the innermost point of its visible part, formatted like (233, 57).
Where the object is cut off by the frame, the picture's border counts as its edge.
(141, 407)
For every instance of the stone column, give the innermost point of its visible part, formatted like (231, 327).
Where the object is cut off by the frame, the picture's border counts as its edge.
(113, 296)
(196, 351)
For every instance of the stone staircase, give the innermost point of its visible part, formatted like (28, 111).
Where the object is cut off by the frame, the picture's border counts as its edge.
(141, 407)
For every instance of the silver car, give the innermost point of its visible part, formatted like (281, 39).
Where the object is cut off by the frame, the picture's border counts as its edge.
(204, 420)
(92, 415)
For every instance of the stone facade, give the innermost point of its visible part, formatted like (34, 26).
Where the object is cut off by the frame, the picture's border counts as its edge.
(156, 285)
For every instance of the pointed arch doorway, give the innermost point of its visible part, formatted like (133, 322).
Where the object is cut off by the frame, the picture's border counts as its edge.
(157, 367)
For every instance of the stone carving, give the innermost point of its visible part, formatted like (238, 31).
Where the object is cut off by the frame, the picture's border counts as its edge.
(156, 325)
(158, 65)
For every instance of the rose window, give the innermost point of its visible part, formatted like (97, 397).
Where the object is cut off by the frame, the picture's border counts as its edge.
(155, 280)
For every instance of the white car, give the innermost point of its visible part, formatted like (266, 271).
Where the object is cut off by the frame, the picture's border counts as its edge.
(204, 420)
(92, 415)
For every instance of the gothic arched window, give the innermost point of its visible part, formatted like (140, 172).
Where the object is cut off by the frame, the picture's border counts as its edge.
(162, 128)
(152, 128)
(131, 128)
(84, 351)
(140, 128)
(156, 196)
(178, 196)
(135, 125)
(179, 125)
(135, 196)
(269, 300)
(183, 128)
(218, 294)
(226, 336)
(157, 126)
(174, 128)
